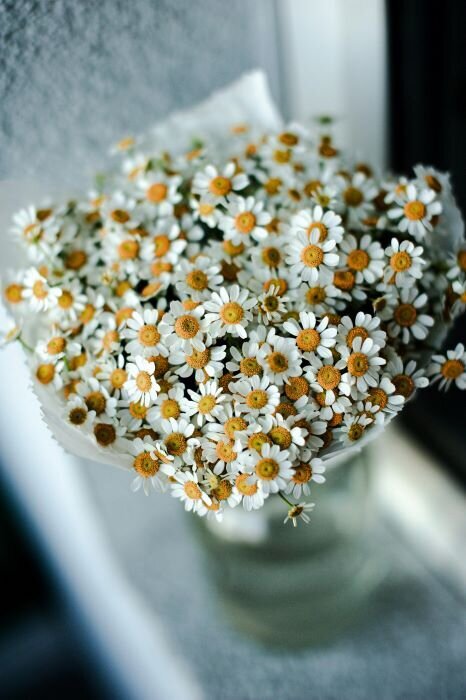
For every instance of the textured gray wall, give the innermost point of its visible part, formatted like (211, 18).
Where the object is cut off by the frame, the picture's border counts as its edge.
(75, 75)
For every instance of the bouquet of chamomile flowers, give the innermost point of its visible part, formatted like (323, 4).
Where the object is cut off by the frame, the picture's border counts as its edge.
(225, 320)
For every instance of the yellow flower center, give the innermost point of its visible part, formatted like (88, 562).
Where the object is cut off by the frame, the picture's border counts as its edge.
(75, 259)
(296, 387)
(302, 473)
(231, 313)
(344, 280)
(400, 261)
(308, 339)
(452, 369)
(287, 138)
(220, 186)
(280, 436)
(145, 465)
(328, 377)
(267, 469)
(232, 249)
(206, 209)
(39, 290)
(14, 293)
(276, 282)
(148, 335)
(358, 260)
(312, 256)
(405, 315)
(315, 295)
(128, 250)
(281, 156)
(378, 397)
(118, 377)
(161, 245)
(137, 410)
(143, 381)
(415, 210)
(176, 444)
(277, 361)
(257, 440)
(207, 404)
(157, 192)
(271, 256)
(250, 367)
(170, 409)
(45, 373)
(244, 486)
(257, 399)
(225, 451)
(56, 345)
(199, 359)
(245, 222)
(197, 279)
(356, 332)
(358, 364)
(222, 491)
(192, 490)
(233, 425)
(87, 314)
(187, 326)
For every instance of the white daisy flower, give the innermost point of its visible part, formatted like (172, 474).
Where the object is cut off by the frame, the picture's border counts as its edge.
(405, 263)
(305, 472)
(284, 432)
(205, 208)
(280, 360)
(77, 413)
(168, 404)
(404, 316)
(245, 361)
(207, 404)
(299, 510)
(195, 279)
(311, 259)
(229, 311)
(162, 247)
(353, 428)
(271, 305)
(358, 194)
(184, 329)
(255, 395)
(143, 333)
(141, 385)
(244, 217)
(250, 490)
(415, 211)
(160, 191)
(449, 368)
(187, 489)
(406, 378)
(364, 326)
(37, 291)
(321, 298)
(271, 467)
(203, 364)
(326, 378)
(152, 465)
(362, 362)
(219, 184)
(178, 440)
(112, 374)
(312, 336)
(365, 258)
(97, 398)
(328, 224)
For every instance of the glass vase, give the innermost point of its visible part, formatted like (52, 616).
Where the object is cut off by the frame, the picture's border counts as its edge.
(294, 586)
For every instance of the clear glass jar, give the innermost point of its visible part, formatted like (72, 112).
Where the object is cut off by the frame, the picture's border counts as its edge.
(290, 586)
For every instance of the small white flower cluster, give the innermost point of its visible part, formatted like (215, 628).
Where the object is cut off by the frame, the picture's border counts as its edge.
(224, 321)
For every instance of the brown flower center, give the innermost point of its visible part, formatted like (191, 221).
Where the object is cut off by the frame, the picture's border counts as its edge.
(302, 473)
(296, 387)
(405, 315)
(452, 369)
(277, 361)
(105, 434)
(328, 377)
(280, 436)
(404, 385)
(176, 444)
(358, 260)
(145, 465)
(77, 416)
(95, 401)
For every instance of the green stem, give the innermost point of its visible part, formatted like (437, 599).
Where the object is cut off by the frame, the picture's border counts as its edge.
(24, 344)
(285, 499)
